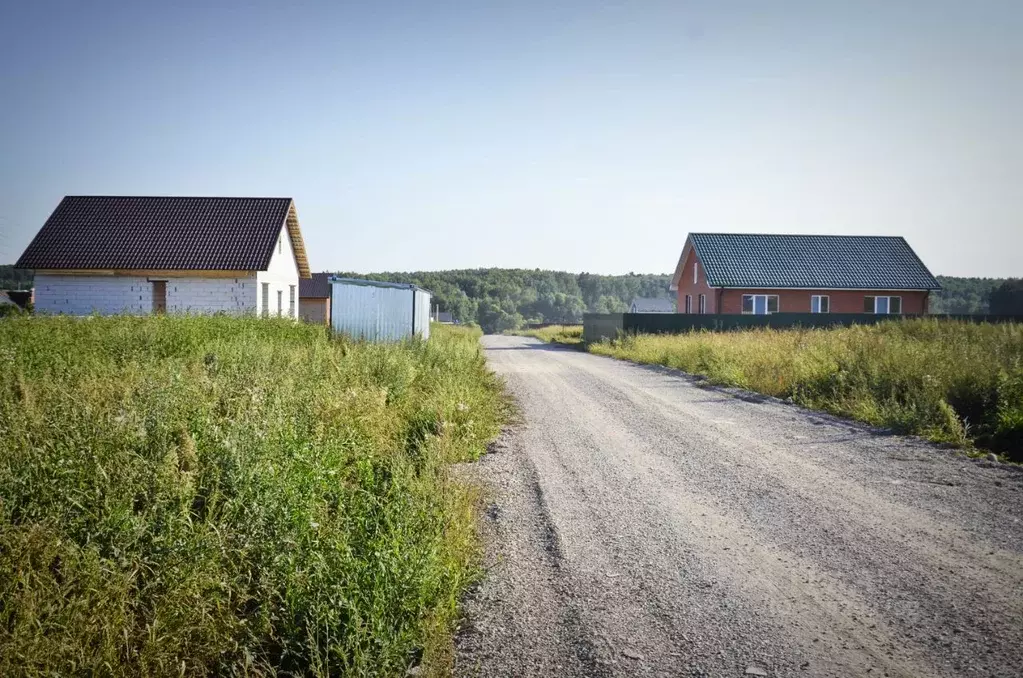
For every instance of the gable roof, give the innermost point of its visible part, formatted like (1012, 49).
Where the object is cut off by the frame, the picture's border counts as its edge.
(739, 260)
(651, 305)
(317, 286)
(164, 233)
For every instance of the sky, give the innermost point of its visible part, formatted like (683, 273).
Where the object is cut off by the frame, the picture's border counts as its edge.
(577, 135)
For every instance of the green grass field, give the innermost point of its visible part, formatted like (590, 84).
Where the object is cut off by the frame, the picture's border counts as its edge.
(949, 381)
(217, 496)
(569, 335)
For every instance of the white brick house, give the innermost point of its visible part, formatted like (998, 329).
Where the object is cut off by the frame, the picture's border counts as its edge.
(137, 255)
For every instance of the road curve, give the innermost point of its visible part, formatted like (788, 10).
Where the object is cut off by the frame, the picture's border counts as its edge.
(640, 524)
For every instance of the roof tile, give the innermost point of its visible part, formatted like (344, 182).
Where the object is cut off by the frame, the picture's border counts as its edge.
(740, 260)
(172, 233)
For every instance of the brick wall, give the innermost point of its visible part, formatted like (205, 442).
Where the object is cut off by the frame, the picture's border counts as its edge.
(842, 301)
(86, 294)
(695, 289)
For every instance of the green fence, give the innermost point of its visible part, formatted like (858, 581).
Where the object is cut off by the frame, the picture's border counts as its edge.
(598, 326)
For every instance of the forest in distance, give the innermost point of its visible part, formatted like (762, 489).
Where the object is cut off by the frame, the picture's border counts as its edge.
(500, 299)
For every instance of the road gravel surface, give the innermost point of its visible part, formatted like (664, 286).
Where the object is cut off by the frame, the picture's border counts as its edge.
(640, 524)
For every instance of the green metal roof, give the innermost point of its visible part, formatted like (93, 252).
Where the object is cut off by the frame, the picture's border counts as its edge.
(811, 262)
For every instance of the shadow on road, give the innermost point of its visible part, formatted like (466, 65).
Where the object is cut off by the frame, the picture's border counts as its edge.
(532, 347)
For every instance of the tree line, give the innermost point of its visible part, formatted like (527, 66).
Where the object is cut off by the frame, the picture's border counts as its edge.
(500, 299)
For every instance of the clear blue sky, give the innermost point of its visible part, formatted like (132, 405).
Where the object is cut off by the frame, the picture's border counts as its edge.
(583, 135)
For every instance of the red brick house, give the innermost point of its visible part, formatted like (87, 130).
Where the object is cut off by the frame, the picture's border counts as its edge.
(761, 274)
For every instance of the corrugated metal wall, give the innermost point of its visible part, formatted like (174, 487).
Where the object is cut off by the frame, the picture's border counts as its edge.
(379, 313)
(422, 323)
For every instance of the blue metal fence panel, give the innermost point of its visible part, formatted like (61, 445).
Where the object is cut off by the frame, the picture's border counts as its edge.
(421, 323)
(371, 312)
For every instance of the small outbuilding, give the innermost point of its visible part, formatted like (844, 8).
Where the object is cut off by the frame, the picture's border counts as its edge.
(379, 311)
(314, 299)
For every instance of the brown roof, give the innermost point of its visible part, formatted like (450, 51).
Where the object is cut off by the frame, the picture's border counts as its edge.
(165, 233)
(318, 286)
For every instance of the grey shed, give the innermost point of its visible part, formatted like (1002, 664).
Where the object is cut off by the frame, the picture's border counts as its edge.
(379, 311)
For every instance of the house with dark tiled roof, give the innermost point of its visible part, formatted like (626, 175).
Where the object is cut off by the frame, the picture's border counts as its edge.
(137, 255)
(763, 274)
(651, 305)
(314, 298)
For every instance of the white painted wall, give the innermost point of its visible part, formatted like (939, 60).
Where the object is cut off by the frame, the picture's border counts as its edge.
(106, 295)
(281, 276)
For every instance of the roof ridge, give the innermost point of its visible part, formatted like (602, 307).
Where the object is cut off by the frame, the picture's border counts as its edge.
(796, 235)
(181, 197)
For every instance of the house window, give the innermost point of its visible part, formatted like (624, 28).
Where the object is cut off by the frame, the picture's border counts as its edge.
(280, 295)
(820, 303)
(703, 303)
(689, 303)
(759, 304)
(280, 244)
(696, 271)
(882, 305)
(291, 301)
(266, 299)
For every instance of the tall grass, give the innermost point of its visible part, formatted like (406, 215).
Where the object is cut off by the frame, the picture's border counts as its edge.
(218, 496)
(949, 381)
(570, 335)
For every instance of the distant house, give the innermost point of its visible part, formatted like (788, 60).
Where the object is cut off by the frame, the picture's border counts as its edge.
(100, 254)
(21, 297)
(651, 305)
(444, 317)
(314, 298)
(762, 274)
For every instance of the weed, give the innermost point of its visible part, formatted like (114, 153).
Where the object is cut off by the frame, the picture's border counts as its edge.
(224, 496)
(953, 382)
(570, 335)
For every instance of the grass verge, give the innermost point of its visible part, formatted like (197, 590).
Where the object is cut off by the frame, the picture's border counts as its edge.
(948, 381)
(569, 335)
(199, 496)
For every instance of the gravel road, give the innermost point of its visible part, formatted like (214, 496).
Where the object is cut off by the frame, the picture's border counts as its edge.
(643, 525)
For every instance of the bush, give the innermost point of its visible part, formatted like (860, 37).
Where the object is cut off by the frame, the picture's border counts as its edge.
(950, 381)
(225, 496)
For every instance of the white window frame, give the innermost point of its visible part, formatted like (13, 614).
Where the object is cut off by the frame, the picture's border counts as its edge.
(689, 303)
(767, 304)
(280, 299)
(265, 298)
(291, 301)
(703, 304)
(888, 304)
(696, 271)
(819, 298)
